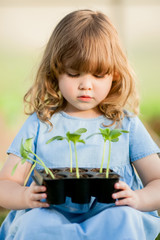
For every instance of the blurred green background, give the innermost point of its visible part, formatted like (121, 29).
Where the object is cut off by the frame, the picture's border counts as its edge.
(25, 27)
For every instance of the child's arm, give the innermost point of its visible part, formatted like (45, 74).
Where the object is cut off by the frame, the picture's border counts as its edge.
(148, 198)
(13, 195)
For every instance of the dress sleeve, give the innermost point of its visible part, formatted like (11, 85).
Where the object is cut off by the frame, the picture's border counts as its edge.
(29, 129)
(141, 144)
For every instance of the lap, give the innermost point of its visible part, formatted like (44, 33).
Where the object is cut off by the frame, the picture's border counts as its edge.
(115, 223)
(40, 223)
(99, 222)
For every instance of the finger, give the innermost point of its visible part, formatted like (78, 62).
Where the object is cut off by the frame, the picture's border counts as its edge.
(38, 200)
(125, 201)
(122, 194)
(38, 197)
(38, 204)
(38, 189)
(121, 185)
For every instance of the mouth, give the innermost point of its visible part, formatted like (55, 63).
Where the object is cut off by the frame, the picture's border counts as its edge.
(85, 98)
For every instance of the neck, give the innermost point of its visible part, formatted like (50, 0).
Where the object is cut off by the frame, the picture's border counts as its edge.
(93, 113)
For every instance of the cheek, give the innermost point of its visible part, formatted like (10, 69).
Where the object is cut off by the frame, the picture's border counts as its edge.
(108, 86)
(104, 90)
(66, 88)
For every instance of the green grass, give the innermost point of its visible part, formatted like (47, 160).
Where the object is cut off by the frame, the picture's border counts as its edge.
(17, 70)
(3, 214)
(158, 238)
(145, 59)
(2, 217)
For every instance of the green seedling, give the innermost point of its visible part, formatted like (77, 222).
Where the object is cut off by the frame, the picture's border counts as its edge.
(111, 136)
(26, 151)
(72, 137)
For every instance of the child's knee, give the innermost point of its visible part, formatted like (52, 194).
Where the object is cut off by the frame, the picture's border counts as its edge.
(43, 223)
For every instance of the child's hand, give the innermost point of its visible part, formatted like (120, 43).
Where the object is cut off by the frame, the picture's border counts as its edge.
(34, 194)
(129, 197)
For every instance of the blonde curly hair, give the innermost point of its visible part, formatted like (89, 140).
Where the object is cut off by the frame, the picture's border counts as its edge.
(85, 41)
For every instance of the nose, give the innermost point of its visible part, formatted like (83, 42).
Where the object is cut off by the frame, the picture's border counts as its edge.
(85, 82)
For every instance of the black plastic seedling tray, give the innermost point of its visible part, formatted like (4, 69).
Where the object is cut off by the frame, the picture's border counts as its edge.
(65, 184)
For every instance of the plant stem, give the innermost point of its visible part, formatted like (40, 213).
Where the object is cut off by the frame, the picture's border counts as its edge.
(109, 157)
(70, 149)
(39, 159)
(47, 170)
(33, 160)
(104, 148)
(26, 180)
(77, 169)
(50, 172)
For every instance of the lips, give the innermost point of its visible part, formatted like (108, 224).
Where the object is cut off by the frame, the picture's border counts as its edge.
(85, 98)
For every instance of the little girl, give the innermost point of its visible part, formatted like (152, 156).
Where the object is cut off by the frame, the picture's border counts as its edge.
(84, 81)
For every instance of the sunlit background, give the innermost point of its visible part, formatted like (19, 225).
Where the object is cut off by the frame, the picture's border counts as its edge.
(25, 27)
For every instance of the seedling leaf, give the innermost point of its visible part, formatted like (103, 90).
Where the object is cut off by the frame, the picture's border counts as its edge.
(25, 149)
(81, 130)
(82, 141)
(28, 144)
(105, 131)
(55, 138)
(14, 168)
(115, 140)
(115, 133)
(74, 137)
(23, 152)
(122, 131)
(23, 160)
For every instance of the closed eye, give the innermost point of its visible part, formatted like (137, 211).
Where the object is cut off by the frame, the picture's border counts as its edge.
(102, 75)
(99, 76)
(73, 75)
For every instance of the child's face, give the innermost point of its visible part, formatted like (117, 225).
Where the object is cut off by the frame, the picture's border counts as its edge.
(84, 91)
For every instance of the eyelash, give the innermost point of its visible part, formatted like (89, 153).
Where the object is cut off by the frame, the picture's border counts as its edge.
(99, 76)
(73, 75)
(77, 75)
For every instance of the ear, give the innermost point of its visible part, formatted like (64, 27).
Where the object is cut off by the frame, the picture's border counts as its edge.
(116, 76)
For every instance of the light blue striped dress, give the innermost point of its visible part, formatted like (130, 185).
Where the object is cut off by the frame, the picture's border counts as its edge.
(95, 220)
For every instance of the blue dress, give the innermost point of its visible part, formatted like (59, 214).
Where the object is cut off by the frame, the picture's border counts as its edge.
(94, 220)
